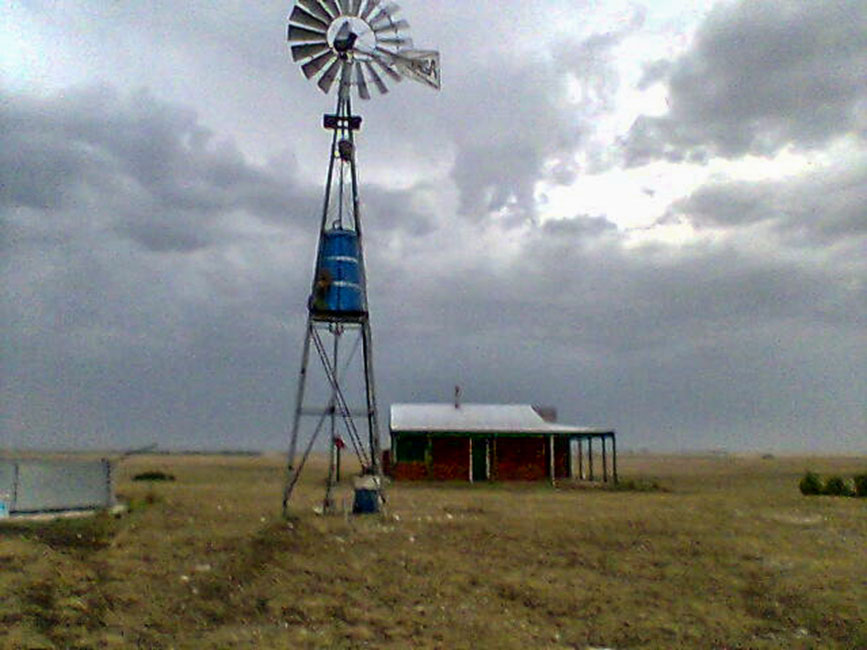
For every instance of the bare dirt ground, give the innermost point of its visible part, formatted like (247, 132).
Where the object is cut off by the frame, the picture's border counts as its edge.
(729, 556)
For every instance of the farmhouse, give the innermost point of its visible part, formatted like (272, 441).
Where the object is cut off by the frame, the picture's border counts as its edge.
(497, 442)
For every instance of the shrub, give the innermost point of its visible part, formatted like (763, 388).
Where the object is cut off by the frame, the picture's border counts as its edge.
(638, 485)
(811, 484)
(861, 485)
(153, 476)
(837, 487)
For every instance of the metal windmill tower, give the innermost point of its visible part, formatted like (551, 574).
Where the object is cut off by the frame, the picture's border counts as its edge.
(350, 44)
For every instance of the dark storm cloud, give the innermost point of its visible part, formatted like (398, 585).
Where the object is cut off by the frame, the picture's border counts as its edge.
(821, 207)
(703, 345)
(589, 62)
(390, 210)
(213, 57)
(498, 176)
(579, 227)
(524, 121)
(622, 299)
(654, 72)
(148, 271)
(666, 342)
(760, 75)
(158, 176)
(507, 116)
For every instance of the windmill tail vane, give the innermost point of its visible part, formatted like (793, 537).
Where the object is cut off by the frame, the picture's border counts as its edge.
(420, 65)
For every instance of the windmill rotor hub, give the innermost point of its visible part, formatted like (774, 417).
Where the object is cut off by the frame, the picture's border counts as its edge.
(351, 35)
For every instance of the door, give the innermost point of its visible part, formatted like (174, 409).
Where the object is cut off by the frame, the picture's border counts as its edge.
(480, 459)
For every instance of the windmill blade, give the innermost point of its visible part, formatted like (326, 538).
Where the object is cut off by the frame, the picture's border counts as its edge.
(300, 52)
(384, 21)
(399, 41)
(392, 27)
(345, 6)
(315, 9)
(371, 5)
(327, 79)
(354, 8)
(361, 82)
(377, 80)
(315, 65)
(302, 34)
(301, 17)
(385, 64)
(386, 12)
(331, 7)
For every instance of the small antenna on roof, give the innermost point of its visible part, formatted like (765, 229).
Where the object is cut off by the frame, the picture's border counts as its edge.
(457, 397)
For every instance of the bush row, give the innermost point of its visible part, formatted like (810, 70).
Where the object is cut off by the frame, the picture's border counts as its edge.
(836, 486)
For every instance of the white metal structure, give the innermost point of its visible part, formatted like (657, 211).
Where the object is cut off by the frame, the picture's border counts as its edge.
(30, 486)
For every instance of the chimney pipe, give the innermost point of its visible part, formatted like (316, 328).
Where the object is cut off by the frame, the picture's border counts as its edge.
(457, 397)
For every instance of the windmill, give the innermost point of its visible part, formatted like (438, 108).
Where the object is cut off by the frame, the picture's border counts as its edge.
(350, 45)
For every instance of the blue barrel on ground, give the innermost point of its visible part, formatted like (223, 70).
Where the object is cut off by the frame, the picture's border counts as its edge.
(368, 495)
(337, 288)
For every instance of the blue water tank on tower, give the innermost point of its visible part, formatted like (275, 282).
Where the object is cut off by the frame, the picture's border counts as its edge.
(337, 290)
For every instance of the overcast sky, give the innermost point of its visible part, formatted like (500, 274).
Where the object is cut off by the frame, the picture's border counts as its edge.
(650, 215)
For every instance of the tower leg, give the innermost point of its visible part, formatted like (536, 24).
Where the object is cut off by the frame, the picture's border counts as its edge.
(328, 503)
(372, 423)
(296, 419)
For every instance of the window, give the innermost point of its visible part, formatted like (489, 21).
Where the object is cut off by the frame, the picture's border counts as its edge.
(411, 448)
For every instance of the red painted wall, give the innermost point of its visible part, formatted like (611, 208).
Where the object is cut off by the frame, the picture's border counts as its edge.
(515, 459)
(409, 471)
(521, 459)
(451, 459)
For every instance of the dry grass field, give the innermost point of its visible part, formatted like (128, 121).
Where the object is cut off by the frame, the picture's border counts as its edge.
(729, 556)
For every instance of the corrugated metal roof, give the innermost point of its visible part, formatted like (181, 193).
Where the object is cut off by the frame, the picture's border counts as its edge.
(472, 418)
